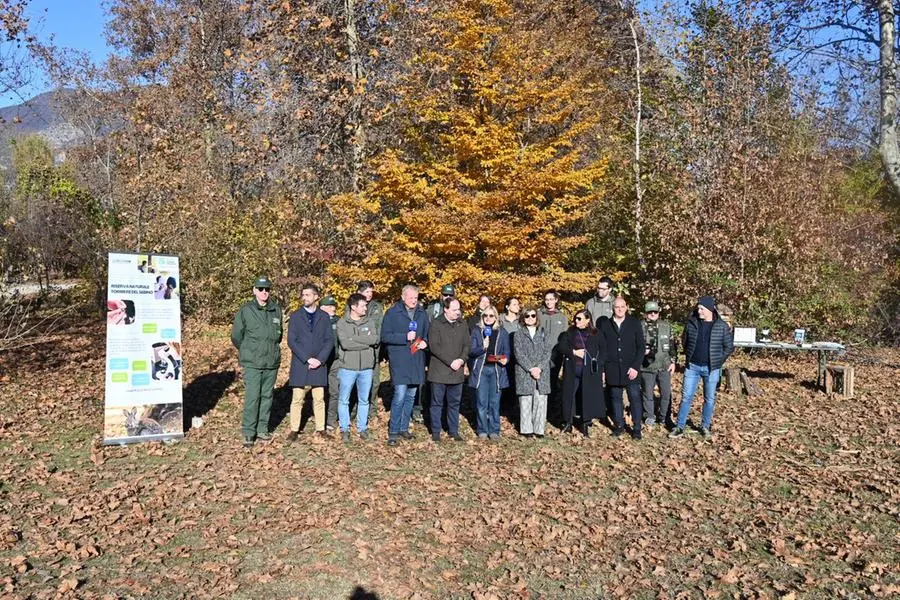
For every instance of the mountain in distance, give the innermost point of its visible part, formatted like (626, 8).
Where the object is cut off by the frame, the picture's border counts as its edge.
(39, 115)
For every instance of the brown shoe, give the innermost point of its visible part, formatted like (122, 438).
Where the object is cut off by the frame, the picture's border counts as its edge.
(292, 437)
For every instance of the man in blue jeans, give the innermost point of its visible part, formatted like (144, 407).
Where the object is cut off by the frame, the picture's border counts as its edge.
(708, 343)
(404, 333)
(357, 354)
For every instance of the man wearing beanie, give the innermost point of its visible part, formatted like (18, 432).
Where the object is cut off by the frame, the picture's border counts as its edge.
(708, 343)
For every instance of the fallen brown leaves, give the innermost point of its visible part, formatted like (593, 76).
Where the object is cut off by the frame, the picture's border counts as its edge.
(796, 496)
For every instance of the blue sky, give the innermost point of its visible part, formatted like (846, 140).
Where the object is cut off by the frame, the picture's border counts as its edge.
(71, 23)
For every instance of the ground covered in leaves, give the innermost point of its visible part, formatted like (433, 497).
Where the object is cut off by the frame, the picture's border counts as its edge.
(796, 496)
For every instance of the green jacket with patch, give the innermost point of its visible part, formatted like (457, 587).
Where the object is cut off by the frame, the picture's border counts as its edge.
(256, 333)
(663, 350)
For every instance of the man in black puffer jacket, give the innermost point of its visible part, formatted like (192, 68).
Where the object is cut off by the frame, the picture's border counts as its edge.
(708, 343)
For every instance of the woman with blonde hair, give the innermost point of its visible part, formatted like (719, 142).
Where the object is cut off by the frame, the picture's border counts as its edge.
(489, 354)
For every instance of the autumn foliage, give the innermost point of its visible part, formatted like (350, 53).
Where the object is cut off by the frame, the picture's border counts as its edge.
(490, 178)
(492, 144)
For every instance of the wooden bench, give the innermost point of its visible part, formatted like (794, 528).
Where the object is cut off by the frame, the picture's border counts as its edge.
(839, 376)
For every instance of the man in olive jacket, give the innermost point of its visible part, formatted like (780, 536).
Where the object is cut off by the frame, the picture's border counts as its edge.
(375, 313)
(449, 339)
(357, 354)
(554, 321)
(256, 333)
(658, 366)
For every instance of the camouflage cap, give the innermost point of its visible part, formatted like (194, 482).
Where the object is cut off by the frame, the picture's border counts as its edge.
(263, 282)
(448, 290)
(328, 301)
(651, 307)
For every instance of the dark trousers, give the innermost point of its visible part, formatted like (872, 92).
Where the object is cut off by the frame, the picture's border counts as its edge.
(649, 380)
(333, 392)
(554, 402)
(449, 395)
(569, 402)
(634, 402)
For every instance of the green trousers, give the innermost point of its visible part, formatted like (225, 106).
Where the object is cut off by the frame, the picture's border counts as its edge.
(259, 385)
(373, 393)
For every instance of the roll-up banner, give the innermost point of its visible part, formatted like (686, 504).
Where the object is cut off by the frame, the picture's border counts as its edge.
(143, 349)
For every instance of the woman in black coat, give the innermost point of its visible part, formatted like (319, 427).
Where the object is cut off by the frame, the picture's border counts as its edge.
(583, 354)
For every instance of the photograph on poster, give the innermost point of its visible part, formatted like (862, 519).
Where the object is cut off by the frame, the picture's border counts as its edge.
(164, 287)
(143, 420)
(159, 287)
(166, 360)
(145, 263)
(120, 312)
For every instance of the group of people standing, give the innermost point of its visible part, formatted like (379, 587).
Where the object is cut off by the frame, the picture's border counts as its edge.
(532, 356)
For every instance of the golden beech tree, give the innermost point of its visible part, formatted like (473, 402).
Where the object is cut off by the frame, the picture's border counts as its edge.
(490, 180)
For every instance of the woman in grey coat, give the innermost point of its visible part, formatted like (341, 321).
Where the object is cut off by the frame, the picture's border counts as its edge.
(532, 347)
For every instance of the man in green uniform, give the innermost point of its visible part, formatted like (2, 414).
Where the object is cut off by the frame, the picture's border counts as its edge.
(658, 366)
(256, 333)
(329, 306)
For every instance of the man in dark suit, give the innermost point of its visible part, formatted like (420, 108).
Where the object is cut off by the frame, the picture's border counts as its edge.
(624, 354)
(311, 339)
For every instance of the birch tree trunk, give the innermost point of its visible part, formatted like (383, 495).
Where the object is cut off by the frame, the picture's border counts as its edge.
(890, 152)
(638, 115)
(355, 124)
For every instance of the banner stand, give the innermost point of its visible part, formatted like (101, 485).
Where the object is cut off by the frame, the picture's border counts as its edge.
(143, 400)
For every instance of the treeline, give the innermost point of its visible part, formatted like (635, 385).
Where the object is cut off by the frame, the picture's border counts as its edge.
(501, 145)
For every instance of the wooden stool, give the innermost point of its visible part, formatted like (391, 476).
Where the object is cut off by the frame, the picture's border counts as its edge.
(842, 374)
(733, 379)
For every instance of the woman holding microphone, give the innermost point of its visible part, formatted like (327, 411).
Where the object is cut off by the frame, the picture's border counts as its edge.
(489, 354)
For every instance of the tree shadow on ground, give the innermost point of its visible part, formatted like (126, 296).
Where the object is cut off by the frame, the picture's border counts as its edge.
(203, 394)
(281, 406)
(384, 395)
(765, 374)
(811, 385)
(360, 593)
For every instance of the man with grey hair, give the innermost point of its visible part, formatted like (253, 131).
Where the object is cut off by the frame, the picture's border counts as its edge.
(404, 333)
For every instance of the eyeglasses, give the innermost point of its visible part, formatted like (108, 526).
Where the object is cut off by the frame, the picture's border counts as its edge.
(531, 316)
(263, 289)
(602, 288)
(489, 317)
(652, 312)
